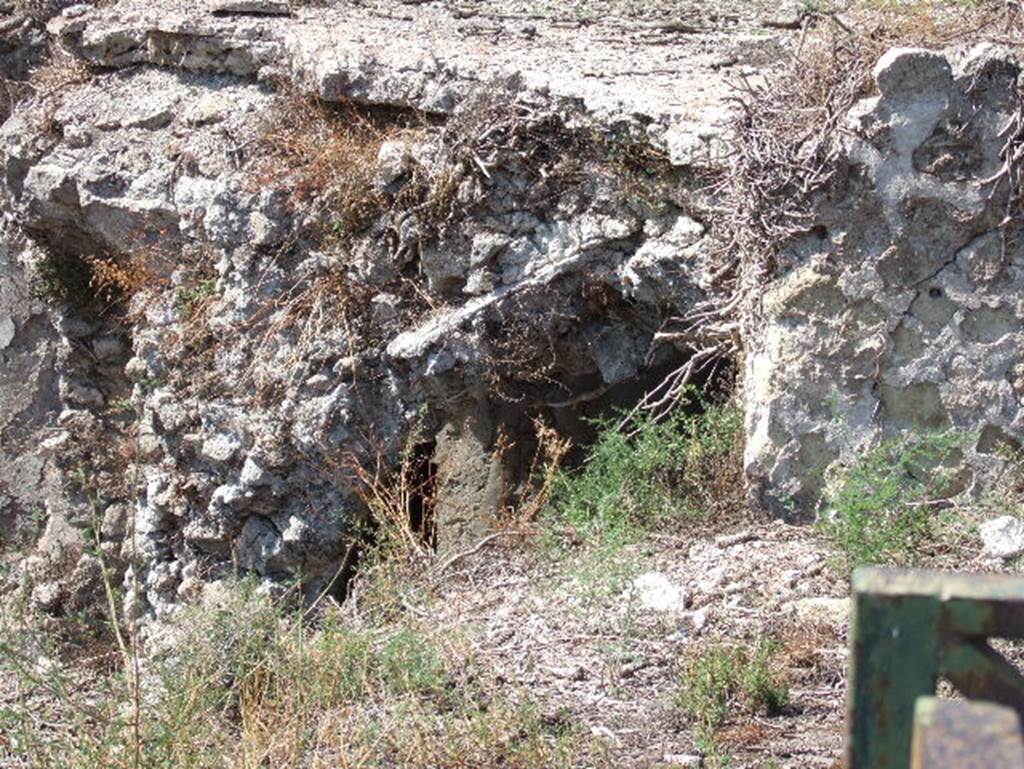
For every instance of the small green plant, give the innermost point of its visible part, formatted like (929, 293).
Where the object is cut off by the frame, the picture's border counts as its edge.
(722, 681)
(189, 298)
(600, 573)
(121, 406)
(151, 384)
(834, 403)
(66, 279)
(760, 681)
(408, 663)
(884, 510)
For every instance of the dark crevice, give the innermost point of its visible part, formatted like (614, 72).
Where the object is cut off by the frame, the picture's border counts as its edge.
(420, 482)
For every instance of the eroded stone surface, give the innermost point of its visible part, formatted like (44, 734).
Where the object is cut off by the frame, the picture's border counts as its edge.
(1003, 537)
(668, 65)
(32, 504)
(902, 310)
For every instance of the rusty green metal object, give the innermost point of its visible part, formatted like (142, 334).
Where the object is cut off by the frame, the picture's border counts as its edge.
(966, 735)
(911, 628)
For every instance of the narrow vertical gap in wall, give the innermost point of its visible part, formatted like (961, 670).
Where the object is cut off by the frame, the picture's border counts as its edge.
(420, 484)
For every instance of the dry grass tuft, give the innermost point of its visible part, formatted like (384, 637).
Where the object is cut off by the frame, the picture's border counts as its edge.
(58, 71)
(548, 458)
(399, 500)
(747, 735)
(312, 309)
(802, 648)
(105, 283)
(245, 683)
(116, 280)
(325, 157)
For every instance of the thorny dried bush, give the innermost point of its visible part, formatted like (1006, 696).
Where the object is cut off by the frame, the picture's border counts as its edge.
(523, 353)
(59, 70)
(47, 81)
(1011, 173)
(789, 123)
(326, 155)
(499, 132)
(532, 333)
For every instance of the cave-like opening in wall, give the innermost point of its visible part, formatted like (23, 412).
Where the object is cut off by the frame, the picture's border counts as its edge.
(491, 455)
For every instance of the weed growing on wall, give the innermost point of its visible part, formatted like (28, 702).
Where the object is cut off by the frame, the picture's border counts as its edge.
(325, 157)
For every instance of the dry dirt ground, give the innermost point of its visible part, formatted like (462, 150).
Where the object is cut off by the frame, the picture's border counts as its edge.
(592, 638)
(598, 636)
(586, 637)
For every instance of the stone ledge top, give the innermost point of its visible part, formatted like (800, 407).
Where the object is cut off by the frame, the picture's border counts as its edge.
(667, 64)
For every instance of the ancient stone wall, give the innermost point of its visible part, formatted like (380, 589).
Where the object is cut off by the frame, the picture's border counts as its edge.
(226, 364)
(254, 359)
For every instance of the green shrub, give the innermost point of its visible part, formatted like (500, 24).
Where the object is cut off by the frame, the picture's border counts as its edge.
(407, 663)
(883, 511)
(709, 680)
(760, 682)
(684, 467)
